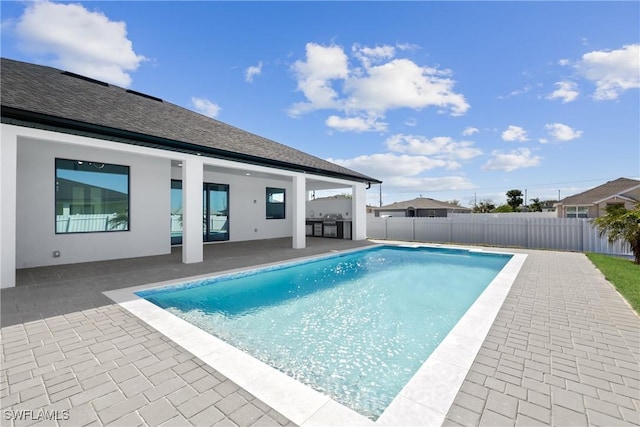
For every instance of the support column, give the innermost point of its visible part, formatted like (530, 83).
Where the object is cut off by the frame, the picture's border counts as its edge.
(192, 179)
(299, 205)
(8, 206)
(359, 208)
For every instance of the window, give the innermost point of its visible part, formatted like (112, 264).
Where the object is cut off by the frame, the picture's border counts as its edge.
(91, 197)
(577, 211)
(275, 203)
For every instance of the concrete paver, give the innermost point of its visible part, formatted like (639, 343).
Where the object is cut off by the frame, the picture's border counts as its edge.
(564, 334)
(563, 350)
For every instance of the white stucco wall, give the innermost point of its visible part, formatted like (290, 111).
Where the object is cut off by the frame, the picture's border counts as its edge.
(8, 148)
(248, 204)
(35, 225)
(319, 207)
(27, 206)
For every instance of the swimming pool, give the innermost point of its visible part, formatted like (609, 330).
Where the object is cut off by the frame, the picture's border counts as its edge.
(424, 400)
(356, 327)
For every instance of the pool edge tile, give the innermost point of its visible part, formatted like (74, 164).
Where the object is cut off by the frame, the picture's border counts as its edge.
(334, 414)
(410, 413)
(294, 400)
(307, 407)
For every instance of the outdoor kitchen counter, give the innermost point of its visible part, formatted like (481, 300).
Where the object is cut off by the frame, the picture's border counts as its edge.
(337, 229)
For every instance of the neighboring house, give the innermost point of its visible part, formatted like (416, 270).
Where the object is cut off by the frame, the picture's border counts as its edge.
(593, 203)
(141, 170)
(548, 206)
(420, 207)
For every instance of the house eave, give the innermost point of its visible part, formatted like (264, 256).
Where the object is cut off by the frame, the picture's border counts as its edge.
(614, 196)
(25, 118)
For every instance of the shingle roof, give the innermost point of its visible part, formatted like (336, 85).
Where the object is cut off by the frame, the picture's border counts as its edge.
(44, 95)
(589, 197)
(422, 203)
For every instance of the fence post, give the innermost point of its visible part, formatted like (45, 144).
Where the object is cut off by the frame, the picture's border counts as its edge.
(386, 232)
(450, 230)
(413, 229)
(484, 230)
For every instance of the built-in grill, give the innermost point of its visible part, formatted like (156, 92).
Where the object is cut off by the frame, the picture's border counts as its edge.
(330, 225)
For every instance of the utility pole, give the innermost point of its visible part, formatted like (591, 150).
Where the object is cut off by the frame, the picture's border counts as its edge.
(380, 195)
(525, 197)
(558, 195)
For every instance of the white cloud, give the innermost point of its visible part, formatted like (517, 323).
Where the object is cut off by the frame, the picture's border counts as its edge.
(382, 83)
(470, 131)
(81, 41)
(515, 133)
(356, 124)
(372, 55)
(252, 71)
(401, 83)
(387, 165)
(411, 158)
(525, 89)
(516, 159)
(442, 147)
(407, 46)
(566, 91)
(411, 121)
(206, 107)
(564, 62)
(562, 132)
(414, 185)
(613, 72)
(323, 64)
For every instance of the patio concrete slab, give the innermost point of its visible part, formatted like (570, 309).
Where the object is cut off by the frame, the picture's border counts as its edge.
(564, 349)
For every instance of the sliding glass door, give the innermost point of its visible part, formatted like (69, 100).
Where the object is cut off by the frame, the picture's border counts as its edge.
(215, 212)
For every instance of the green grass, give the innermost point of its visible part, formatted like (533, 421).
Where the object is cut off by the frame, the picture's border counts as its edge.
(623, 274)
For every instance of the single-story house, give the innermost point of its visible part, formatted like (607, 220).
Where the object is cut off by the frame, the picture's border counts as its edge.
(594, 202)
(90, 171)
(420, 207)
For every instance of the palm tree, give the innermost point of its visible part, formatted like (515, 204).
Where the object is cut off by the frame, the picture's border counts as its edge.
(120, 220)
(536, 205)
(514, 199)
(620, 223)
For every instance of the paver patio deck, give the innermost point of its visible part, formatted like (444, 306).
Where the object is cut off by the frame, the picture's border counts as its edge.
(563, 350)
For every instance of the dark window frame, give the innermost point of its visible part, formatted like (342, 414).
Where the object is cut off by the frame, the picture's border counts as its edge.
(269, 212)
(99, 166)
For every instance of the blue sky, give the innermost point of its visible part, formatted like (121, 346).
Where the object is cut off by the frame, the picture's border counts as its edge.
(449, 100)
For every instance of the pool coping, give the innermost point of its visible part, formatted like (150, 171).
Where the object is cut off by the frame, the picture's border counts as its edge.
(425, 399)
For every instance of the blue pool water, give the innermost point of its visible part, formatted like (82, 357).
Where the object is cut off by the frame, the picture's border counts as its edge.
(355, 327)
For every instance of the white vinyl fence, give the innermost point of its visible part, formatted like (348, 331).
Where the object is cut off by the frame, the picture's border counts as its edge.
(569, 234)
(83, 223)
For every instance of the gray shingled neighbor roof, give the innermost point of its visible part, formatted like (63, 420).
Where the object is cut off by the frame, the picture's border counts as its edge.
(39, 96)
(421, 203)
(589, 197)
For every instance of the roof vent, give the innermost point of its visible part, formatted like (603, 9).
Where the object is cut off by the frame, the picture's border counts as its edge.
(144, 95)
(85, 78)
